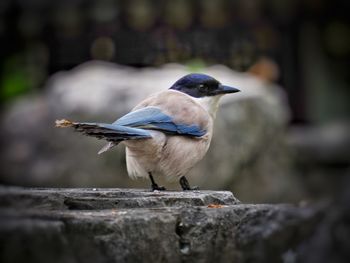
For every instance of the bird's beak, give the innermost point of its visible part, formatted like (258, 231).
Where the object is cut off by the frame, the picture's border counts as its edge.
(226, 89)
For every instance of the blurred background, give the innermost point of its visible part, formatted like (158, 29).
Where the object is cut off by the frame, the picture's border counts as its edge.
(285, 138)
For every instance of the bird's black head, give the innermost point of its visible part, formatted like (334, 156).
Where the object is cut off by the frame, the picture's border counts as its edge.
(201, 85)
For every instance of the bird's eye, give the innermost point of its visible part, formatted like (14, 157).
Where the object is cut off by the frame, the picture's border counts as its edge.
(202, 88)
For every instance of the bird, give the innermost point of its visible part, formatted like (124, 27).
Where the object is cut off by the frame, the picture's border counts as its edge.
(165, 134)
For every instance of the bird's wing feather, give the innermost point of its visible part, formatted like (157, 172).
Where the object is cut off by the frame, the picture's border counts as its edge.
(155, 119)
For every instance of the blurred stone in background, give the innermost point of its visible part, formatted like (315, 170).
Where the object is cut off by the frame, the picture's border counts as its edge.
(248, 154)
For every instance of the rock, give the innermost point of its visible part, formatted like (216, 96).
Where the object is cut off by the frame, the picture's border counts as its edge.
(121, 225)
(95, 198)
(248, 154)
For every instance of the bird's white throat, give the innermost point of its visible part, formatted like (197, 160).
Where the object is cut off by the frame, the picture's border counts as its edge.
(210, 104)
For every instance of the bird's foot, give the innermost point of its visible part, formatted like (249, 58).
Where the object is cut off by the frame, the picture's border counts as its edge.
(186, 185)
(155, 187)
(193, 188)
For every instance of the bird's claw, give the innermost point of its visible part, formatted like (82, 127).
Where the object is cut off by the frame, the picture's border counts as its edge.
(194, 188)
(186, 186)
(155, 187)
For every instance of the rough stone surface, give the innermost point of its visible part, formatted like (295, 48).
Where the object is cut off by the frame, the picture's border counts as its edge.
(248, 151)
(95, 198)
(120, 225)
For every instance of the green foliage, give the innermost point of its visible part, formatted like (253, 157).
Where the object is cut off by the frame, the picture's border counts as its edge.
(195, 65)
(15, 80)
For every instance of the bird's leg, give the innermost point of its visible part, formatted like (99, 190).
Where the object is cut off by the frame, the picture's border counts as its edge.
(186, 185)
(154, 186)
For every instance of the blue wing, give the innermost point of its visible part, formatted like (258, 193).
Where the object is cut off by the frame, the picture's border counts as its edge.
(154, 119)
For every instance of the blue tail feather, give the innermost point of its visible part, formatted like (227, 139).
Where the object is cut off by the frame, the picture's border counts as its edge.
(110, 132)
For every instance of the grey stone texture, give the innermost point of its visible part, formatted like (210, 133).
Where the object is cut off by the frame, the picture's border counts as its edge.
(127, 225)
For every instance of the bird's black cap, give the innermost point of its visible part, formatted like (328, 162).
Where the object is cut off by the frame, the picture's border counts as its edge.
(201, 85)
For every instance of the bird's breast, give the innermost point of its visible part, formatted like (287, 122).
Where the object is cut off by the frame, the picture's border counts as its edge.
(169, 155)
(181, 153)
